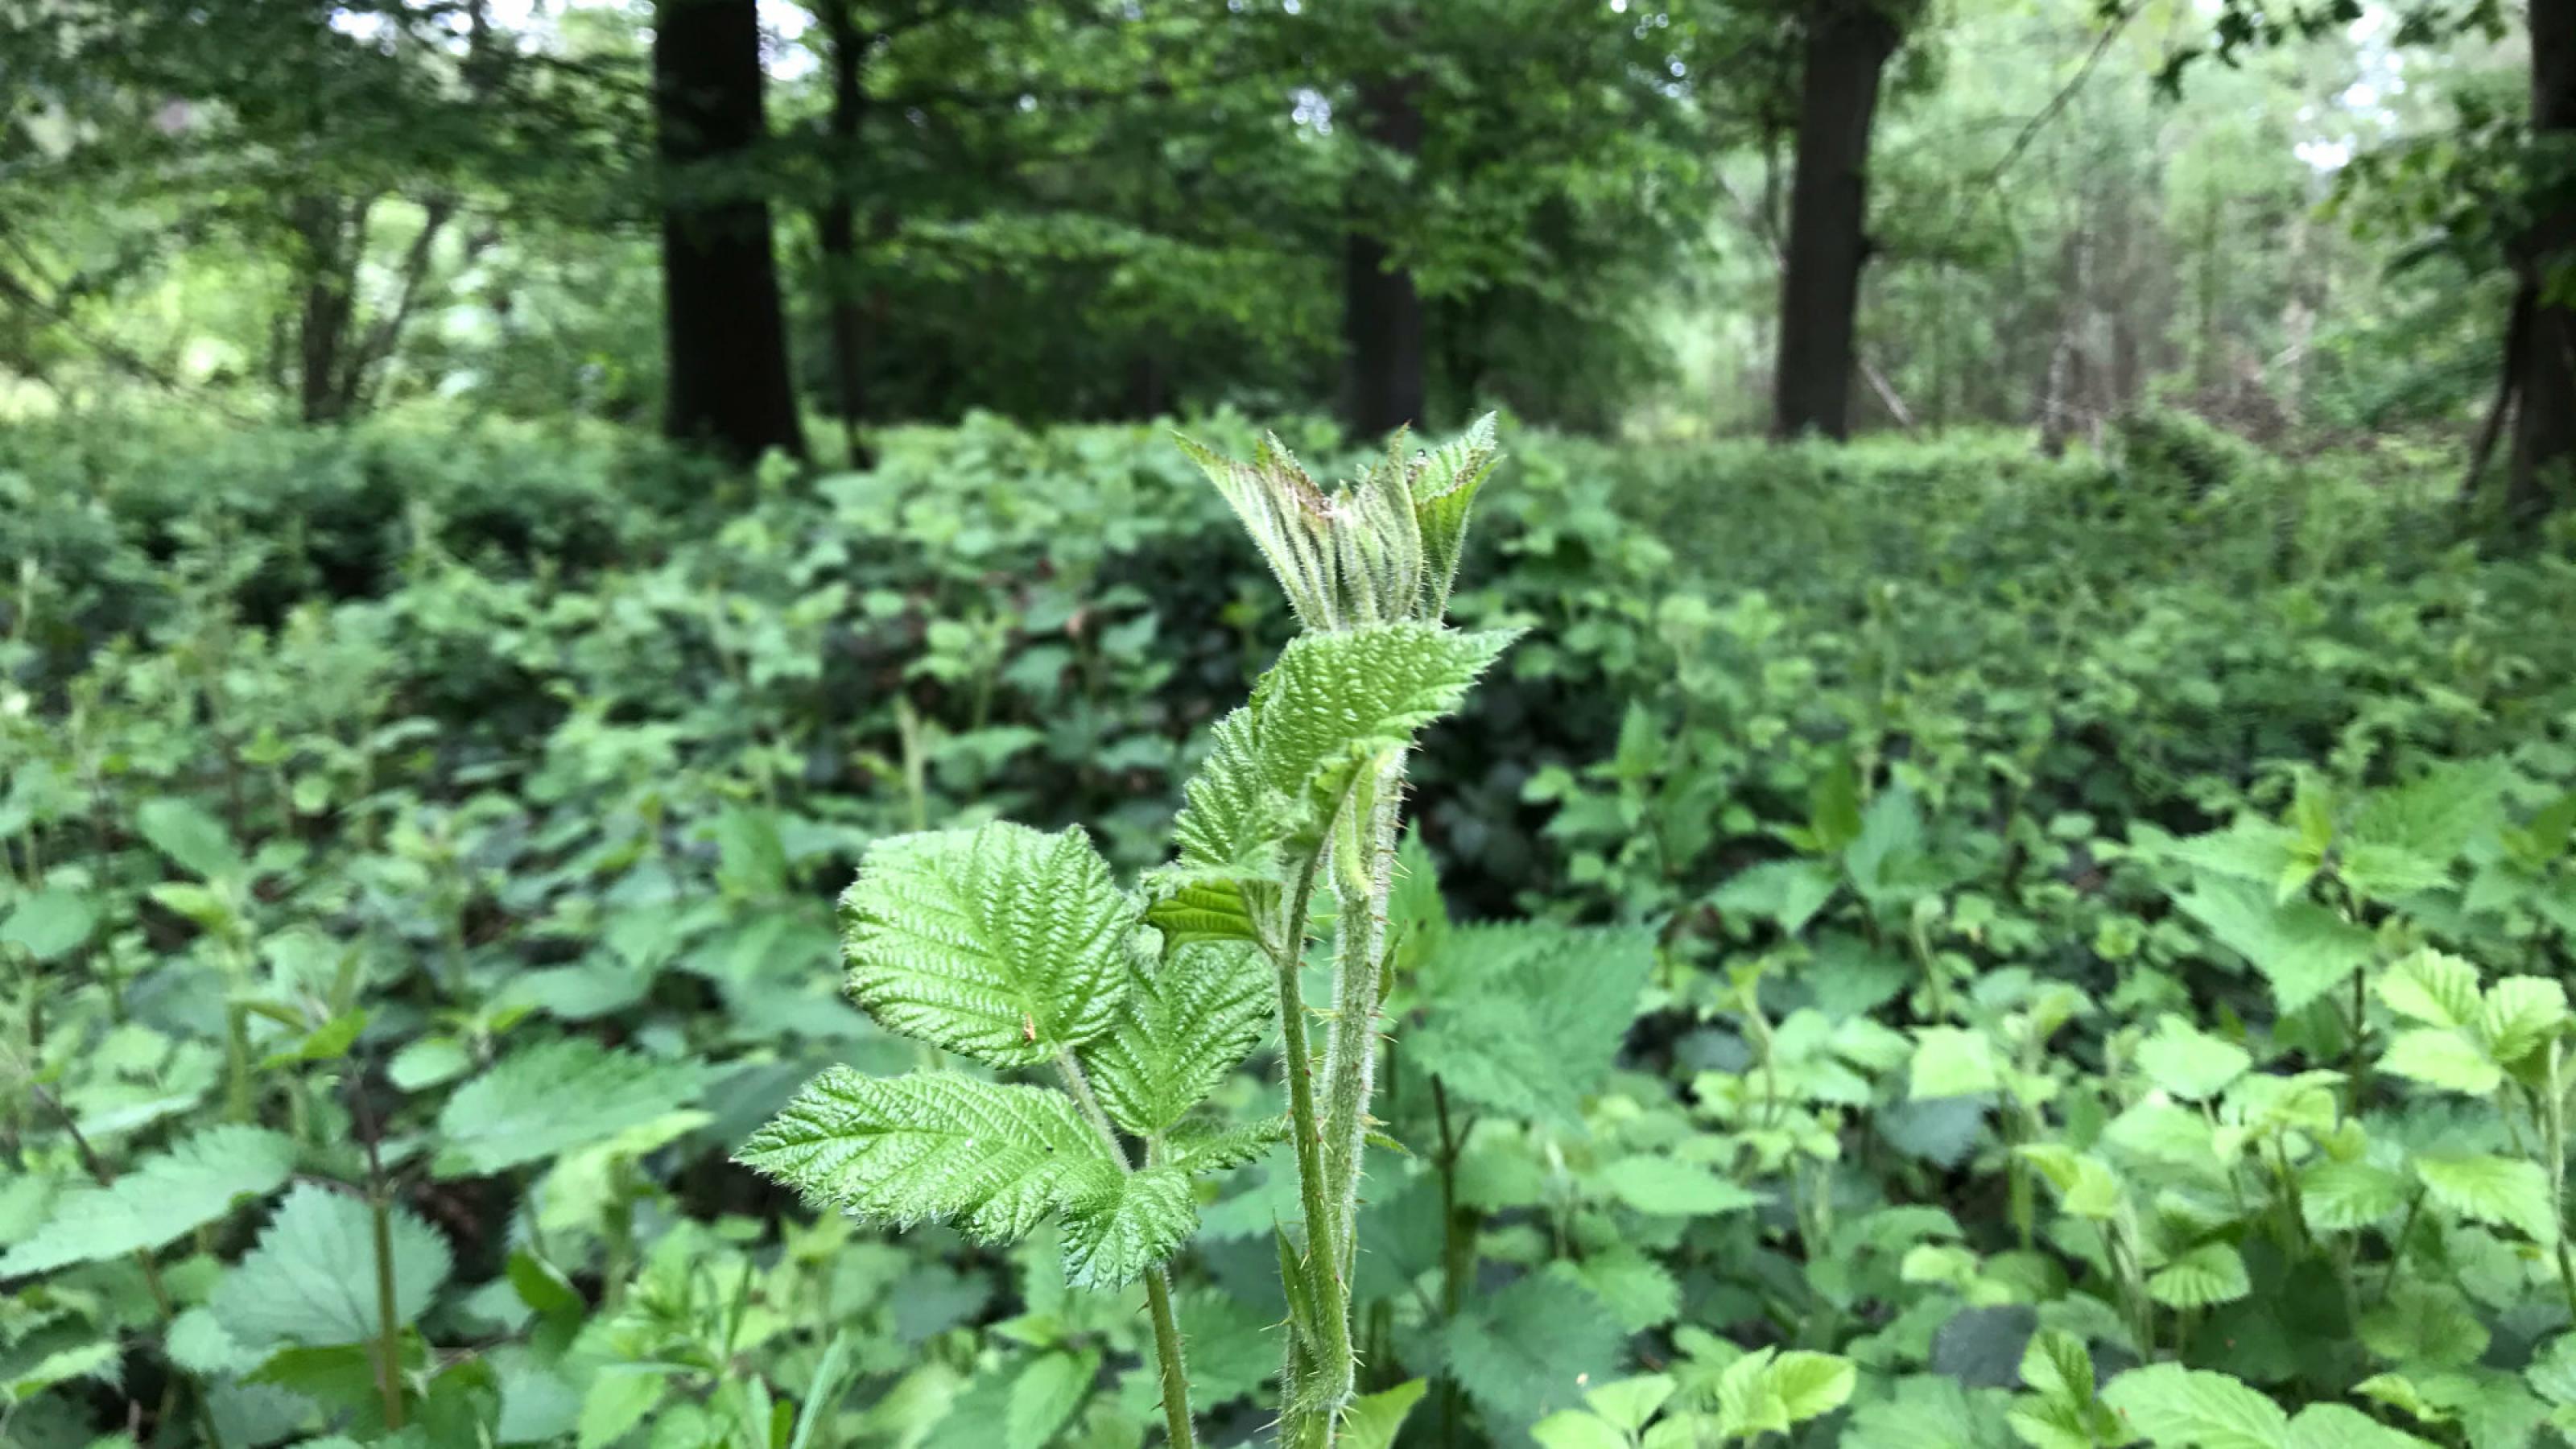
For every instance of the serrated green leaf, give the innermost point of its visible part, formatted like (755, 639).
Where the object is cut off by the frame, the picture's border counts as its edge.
(2442, 1058)
(2190, 1063)
(1227, 844)
(1445, 482)
(1787, 892)
(2340, 1197)
(1335, 702)
(2424, 1324)
(2438, 815)
(311, 1279)
(1132, 1222)
(1949, 1062)
(1372, 1420)
(1811, 1385)
(193, 839)
(1001, 943)
(177, 1191)
(2173, 1407)
(1531, 1349)
(2208, 1275)
(2521, 1013)
(1044, 1396)
(1189, 1019)
(1639, 1291)
(1664, 1186)
(49, 924)
(2300, 947)
(545, 1100)
(996, 1160)
(1769, 1392)
(2490, 1189)
(1196, 1153)
(2057, 1365)
(2086, 1186)
(2340, 1426)
(2433, 987)
(1525, 1019)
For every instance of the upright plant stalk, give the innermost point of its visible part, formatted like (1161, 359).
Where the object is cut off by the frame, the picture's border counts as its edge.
(1378, 555)
(1350, 1054)
(1168, 1363)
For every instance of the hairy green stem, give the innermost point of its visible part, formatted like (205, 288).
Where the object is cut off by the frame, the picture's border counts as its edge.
(1167, 1355)
(1323, 1260)
(1350, 1053)
(1158, 1285)
(1329, 1171)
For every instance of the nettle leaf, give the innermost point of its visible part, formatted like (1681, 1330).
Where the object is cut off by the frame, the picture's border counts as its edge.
(2173, 1407)
(2341, 1426)
(2190, 1063)
(192, 838)
(1187, 1022)
(1769, 1392)
(1371, 1420)
(1662, 1186)
(2434, 987)
(1949, 1062)
(2437, 816)
(2444, 1059)
(1002, 943)
(996, 1160)
(1336, 702)
(1532, 1349)
(1227, 841)
(311, 1280)
(2342, 1196)
(542, 1101)
(2210, 1274)
(2520, 1015)
(1526, 1018)
(1789, 892)
(1112, 1236)
(162, 1198)
(49, 924)
(2303, 949)
(2489, 1189)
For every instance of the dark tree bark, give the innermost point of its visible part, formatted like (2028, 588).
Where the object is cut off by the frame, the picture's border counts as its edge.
(2541, 368)
(729, 385)
(838, 225)
(1381, 313)
(1848, 43)
(322, 325)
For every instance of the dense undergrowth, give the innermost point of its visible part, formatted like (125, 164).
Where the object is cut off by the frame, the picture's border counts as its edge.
(2077, 928)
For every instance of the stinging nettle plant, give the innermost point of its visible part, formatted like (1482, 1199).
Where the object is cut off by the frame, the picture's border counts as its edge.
(1018, 949)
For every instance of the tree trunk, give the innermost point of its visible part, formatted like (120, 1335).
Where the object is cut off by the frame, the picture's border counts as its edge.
(729, 385)
(1848, 43)
(327, 265)
(838, 225)
(1381, 314)
(2542, 369)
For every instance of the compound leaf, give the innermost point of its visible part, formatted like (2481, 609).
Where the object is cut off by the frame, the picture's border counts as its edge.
(1002, 943)
(995, 1160)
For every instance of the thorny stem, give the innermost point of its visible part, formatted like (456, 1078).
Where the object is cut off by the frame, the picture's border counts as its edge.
(1298, 1065)
(1329, 1189)
(1158, 1284)
(1350, 1053)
